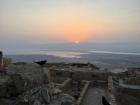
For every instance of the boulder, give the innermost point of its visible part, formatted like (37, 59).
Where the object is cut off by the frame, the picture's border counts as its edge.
(67, 100)
(4, 81)
(36, 96)
(20, 78)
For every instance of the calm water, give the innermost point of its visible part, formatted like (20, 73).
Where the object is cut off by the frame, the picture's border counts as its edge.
(66, 54)
(62, 53)
(103, 59)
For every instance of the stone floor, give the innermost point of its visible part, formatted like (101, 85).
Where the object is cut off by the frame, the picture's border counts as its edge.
(93, 96)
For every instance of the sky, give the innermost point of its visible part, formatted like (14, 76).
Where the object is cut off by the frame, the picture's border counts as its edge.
(69, 21)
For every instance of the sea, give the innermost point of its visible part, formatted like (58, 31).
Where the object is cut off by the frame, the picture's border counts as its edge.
(105, 59)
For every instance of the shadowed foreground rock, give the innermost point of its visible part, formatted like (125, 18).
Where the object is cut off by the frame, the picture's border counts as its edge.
(41, 96)
(36, 96)
(104, 101)
(27, 84)
(67, 100)
(20, 78)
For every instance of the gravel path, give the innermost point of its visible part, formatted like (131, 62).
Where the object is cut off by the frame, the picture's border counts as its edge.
(93, 96)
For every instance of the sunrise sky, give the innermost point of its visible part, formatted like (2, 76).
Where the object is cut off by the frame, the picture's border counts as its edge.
(69, 21)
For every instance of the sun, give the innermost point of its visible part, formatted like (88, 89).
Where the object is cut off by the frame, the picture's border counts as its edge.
(76, 42)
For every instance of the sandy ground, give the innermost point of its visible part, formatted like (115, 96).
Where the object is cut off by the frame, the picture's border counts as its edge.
(93, 96)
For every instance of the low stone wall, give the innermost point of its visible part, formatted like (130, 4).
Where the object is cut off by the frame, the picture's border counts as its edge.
(58, 80)
(83, 92)
(99, 83)
(111, 91)
(66, 83)
(81, 75)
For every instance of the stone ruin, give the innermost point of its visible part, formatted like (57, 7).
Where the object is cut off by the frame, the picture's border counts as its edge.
(28, 84)
(31, 84)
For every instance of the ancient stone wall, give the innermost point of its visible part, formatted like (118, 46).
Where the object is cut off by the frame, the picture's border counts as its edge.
(111, 91)
(83, 92)
(80, 75)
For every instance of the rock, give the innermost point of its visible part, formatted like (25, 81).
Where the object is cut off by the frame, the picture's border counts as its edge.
(4, 81)
(5, 101)
(41, 96)
(36, 96)
(25, 77)
(37, 102)
(26, 85)
(20, 78)
(67, 100)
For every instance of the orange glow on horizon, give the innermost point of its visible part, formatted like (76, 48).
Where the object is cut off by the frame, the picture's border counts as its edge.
(78, 32)
(76, 42)
(73, 31)
(77, 38)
